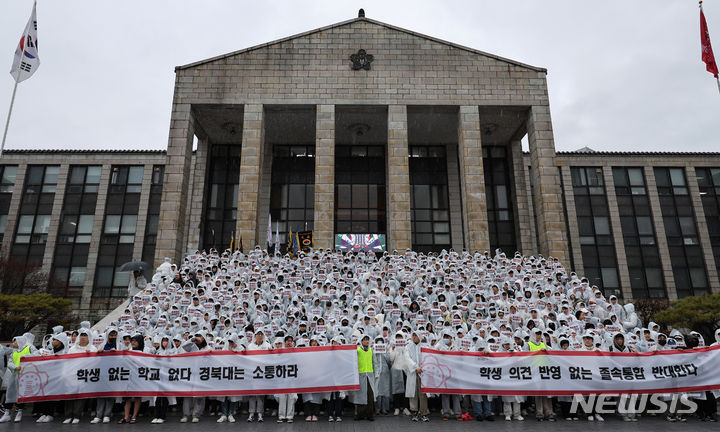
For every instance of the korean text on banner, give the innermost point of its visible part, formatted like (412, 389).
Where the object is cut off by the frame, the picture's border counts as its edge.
(214, 373)
(556, 373)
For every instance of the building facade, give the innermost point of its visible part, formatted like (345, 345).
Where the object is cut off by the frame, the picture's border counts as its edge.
(366, 128)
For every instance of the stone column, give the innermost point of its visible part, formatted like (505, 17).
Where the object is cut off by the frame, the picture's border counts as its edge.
(324, 224)
(18, 190)
(264, 191)
(618, 239)
(523, 223)
(572, 224)
(547, 192)
(702, 230)
(250, 164)
(95, 238)
(171, 224)
(398, 180)
(142, 215)
(55, 216)
(660, 235)
(531, 207)
(454, 198)
(472, 180)
(196, 200)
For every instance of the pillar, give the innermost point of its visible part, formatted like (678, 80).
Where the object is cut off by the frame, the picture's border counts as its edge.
(171, 223)
(324, 224)
(524, 223)
(547, 194)
(97, 231)
(249, 186)
(55, 216)
(472, 180)
(195, 203)
(578, 266)
(660, 236)
(454, 197)
(616, 229)
(398, 180)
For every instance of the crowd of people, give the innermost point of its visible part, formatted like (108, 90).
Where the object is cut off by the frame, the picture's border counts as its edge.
(390, 305)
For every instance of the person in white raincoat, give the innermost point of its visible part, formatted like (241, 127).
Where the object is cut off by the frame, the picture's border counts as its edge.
(57, 346)
(257, 403)
(382, 362)
(286, 401)
(20, 348)
(413, 369)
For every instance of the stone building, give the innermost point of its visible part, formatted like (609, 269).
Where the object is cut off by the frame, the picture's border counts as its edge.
(366, 128)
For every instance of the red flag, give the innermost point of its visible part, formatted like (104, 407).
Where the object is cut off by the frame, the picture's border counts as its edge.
(707, 53)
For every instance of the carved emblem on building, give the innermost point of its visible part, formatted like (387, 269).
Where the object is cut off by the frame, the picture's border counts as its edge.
(361, 60)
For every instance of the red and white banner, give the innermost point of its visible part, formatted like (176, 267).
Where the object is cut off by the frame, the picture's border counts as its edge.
(557, 373)
(214, 373)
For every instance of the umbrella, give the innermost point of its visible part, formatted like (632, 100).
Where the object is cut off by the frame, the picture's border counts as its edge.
(136, 265)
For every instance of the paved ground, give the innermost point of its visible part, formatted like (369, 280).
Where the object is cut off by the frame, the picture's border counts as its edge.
(381, 424)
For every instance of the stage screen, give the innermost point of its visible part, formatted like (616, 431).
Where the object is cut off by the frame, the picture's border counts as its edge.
(360, 242)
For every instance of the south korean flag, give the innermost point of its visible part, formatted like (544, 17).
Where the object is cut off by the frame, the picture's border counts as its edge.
(26, 55)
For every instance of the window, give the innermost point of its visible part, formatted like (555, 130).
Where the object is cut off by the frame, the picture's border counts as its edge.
(497, 187)
(221, 205)
(681, 232)
(34, 214)
(709, 183)
(7, 178)
(76, 225)
(429, 198)
(292, 193)
(153, 214)
(360, 189)
(596, 240)
(643, 258)
(7, 186)
(118, 233)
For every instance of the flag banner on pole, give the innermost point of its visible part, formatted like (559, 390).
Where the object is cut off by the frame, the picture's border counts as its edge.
(562, 373)
(27, 60)
(305, 240)
(214, 373)
(707, 52)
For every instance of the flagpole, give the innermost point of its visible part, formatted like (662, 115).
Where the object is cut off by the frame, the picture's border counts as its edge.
(12, 99)
(7, 122)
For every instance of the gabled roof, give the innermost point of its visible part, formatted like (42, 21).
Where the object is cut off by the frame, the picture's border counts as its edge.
(350, 21)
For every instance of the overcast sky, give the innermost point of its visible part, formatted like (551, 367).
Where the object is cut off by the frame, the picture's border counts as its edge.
(622, 75)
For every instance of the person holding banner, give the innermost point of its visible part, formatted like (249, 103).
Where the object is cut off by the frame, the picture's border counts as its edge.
(286, 401)
(137, 343)
(511, 403)
(257, 403)
(481, 404)
(446, 344)
(58, 346)
(162, 402)
(335, 403)
(543, 404)
(74, 408)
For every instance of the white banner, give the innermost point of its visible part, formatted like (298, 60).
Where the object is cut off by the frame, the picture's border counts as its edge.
(214, 373)
(556, 373)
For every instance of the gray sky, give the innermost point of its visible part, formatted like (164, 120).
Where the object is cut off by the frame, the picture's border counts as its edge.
(622, 75)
